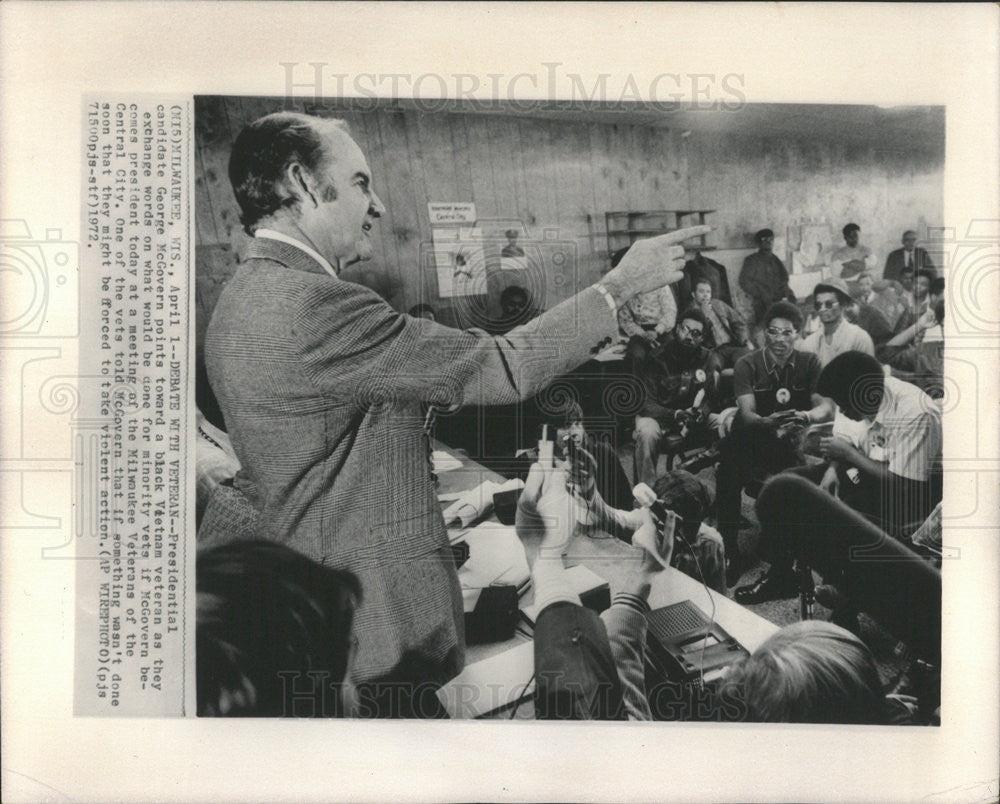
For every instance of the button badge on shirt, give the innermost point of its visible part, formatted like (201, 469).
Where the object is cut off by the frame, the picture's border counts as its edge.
(783, 395)
(699, 376)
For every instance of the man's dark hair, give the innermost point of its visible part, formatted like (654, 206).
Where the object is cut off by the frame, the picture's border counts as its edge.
(262, 152)
(268, 616)
(687, 496)
(703, 280)
(855, 381)
(851, 227)
(936, 286)
(762, 234)
(906, 269)
(694, 314)
(786, 310)
(928, 274)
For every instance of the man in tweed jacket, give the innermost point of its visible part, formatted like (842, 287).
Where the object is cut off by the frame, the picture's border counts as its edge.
(321, 384)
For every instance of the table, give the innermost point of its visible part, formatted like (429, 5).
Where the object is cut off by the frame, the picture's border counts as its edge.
(607, 557)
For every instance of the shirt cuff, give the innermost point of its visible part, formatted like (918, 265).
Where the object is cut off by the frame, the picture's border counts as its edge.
(631, 601)
(551, 584)
(607, 297)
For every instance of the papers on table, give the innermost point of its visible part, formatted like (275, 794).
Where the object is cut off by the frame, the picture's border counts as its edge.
(580, 578)
(478, 502)
(491, 684)
(496, 557)
(444, 462)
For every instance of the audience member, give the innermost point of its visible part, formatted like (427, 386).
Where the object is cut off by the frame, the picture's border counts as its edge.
(274, 633)
(698, 548)
(916, 354)
(811, 672)
(836, 335)
(726, 334)
(701, 267)
(889, 302)
(764, 277)
(864, 285)
(909, 256)
(890, 474)
(852, 258)
(650, 315)
(925, 291)
(512, 249)
(897, 463)
(777, 397)
(680, 381)
(586, 667)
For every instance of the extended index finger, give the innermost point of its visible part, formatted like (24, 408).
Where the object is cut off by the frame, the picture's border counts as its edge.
(680, 235)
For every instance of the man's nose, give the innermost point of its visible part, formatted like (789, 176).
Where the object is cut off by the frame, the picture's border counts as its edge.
(376, 208)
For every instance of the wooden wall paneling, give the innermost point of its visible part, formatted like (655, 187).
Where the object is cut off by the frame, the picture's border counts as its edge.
(441, 184)
(206, 233)
(592, 244)
(579, 200)
(416, 285)
(600, 171)
(385, 257)
(404, 225)
(538, 178)
(565, 183)
(478, 157)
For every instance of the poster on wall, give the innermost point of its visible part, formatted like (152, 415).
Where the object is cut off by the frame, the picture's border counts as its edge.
(459, 261)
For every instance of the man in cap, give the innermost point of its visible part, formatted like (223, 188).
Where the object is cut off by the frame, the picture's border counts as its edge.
(836, 334)
(764, 277)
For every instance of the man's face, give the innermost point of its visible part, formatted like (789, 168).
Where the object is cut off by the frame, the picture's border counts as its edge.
(851, 238)
(690, 333)
(828, 307)
(779, 335)
(906, 280)
(766, 243)
(703, 293)
(922, 283)
(865, 285)
(909, 241)
(574, 432)
(346, 220)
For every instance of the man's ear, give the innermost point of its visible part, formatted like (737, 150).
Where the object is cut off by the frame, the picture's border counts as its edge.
(299, 183)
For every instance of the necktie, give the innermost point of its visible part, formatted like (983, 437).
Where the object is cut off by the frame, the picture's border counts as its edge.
(909, 259)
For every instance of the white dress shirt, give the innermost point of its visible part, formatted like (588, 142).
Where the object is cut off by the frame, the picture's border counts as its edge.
(271, 234)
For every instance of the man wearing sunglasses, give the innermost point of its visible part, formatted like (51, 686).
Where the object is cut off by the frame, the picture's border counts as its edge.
(680, 381)
(837, 335)
(776, 395)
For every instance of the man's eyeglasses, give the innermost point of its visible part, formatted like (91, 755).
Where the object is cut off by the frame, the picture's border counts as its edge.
(826, 305)
(696, 334)
(774, 332)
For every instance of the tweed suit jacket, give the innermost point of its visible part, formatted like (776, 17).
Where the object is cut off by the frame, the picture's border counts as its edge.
(322, 386)
(897, 259)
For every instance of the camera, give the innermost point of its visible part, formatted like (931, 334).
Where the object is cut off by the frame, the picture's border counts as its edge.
(40, 282)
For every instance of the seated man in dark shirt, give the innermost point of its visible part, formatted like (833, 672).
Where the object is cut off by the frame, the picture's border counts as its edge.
(776, 394)
(679, 379)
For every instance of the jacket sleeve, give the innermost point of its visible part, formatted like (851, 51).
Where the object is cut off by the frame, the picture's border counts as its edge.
(626, 624)
(737, 325)
(355, 346)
